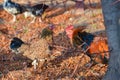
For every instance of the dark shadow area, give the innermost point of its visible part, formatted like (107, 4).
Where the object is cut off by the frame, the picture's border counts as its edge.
(4, 31)
(68, 50)
(67, 53)
(62, 43)
(101, 33)
(69, 7)
(93, 5)
(92, 78)
(1, 21)
(1, 7)
(11, 62)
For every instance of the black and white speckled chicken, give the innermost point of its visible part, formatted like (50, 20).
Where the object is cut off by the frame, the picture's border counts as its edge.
(36, 11)
(13, 8)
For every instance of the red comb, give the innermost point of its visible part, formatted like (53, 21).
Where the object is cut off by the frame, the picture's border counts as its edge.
(69, 30)
(69, 27)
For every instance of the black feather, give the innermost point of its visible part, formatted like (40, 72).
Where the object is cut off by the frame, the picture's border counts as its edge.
(13, 8)
(46, 32)
(38, 9)
(16, 43)
(86, 37)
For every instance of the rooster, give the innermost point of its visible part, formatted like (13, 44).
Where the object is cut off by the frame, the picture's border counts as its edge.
(35, 11)
(89, 42)
(13, 8)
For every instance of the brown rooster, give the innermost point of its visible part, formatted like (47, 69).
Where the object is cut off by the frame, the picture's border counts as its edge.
(89, 42)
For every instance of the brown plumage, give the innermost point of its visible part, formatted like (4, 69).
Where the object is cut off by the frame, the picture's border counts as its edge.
(99, 47)
(72, 33)
(38, 52)
(92, 44)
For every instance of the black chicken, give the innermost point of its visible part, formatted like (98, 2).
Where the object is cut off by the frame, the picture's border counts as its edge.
(87, 38)
(13, 8)
(15, 44)
(35, 11)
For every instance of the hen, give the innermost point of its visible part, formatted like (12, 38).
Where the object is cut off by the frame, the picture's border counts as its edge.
(36, 11)
(89, 42)
(13, 8)
(38, 52)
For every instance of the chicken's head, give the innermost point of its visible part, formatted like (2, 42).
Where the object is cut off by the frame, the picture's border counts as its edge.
(69, 31)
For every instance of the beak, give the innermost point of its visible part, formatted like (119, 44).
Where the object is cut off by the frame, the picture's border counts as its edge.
(44, 15)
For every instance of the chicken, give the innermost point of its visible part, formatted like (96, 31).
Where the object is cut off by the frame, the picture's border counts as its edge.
(38, 52)
(89, 42)
(36, 11)
(13, 8)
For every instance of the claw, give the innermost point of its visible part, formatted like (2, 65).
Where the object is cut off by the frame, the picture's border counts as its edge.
(40, 20)
(33, 21)
(35, 63)
(14, 19)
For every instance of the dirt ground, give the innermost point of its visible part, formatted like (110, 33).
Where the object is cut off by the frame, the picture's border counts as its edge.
(65, 64)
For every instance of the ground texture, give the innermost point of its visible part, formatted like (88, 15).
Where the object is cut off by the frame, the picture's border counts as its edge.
(63, 63)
